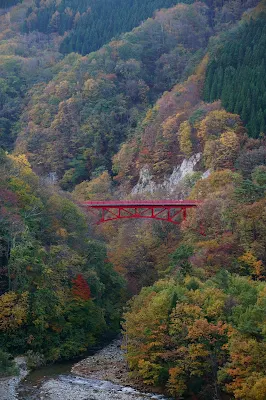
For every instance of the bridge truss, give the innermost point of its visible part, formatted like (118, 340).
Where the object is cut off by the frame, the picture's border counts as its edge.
(173, 211)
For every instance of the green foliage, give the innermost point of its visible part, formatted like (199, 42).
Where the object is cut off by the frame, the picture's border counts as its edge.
(92, 24)
(250, 159)
(190, 180)
(34, 360)
(59, 294)
(185, 139)
(7, 365)
(188, 346)
(8, 3)
(254, 189)
(95, 102)
(249, 192)
(197, 116)
(180, 258)
(236, 74)
(12, 91)
(259, 176)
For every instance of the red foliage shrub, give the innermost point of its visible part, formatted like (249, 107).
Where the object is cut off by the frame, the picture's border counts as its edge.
(80, 288)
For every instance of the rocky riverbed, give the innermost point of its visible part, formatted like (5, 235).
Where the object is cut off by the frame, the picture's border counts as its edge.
(102, 376)
(99, 377)
(107, 364)
(75, 388)
(9, 385)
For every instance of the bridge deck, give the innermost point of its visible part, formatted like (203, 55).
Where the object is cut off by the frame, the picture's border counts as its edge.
(140, 203)
(174, 211)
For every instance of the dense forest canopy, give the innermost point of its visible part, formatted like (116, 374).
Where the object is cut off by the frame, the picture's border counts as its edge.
(8, 3)
(236, 74)
(12, 91)
(95, 22)
(95, 102)
(174, 108)
(59, 294)
(184, 333)
(127, 75)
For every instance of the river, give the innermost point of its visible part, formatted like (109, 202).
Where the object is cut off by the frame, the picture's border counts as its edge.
(102, 376)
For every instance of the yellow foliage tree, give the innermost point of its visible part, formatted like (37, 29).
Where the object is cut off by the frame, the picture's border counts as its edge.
(247, 368)
(184, 137)
(96, 189)
(217, 122)
(13, 310)
(222, 152)
(255, 266)
(215, 183)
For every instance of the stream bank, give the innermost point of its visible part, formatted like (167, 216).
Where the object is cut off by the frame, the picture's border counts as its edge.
(109, 364)
(77, 388)
(9, 385)
(102, 376)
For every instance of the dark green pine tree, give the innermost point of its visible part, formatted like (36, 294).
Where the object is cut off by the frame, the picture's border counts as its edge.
(9, 3)
(99, 22)
(236, 74)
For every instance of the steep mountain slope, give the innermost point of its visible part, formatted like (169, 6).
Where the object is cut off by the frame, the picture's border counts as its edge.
(95, 102)
(198, 331)
(25, 60)
(58, 293)
(8, 3)
(94, 23)
(172, 130)
(134, 119)
(180, 130)
(182, 333)
(236, 74)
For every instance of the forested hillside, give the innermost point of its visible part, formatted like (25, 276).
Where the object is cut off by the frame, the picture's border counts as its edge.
(59, 293)
(236, 74)
(174, 108)
(184, 333)
(25, 60)
(8, 3)
(94, 23)
(95, 102)
(202, 329)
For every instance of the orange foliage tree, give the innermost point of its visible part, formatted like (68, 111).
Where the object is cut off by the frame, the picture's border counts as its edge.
(80, 288)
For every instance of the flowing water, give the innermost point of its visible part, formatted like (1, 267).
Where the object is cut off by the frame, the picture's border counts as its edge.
(55, 382)
(29, 388)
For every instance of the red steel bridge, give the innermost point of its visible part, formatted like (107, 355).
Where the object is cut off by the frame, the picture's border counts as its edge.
(174, 211)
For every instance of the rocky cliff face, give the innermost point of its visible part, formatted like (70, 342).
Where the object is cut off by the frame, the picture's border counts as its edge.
(147, 184)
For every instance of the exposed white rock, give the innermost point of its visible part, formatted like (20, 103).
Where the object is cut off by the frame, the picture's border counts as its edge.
(9, 385)
(206, 174)
(179, 173)
(98, 378)
(70, 388)
(146, 183)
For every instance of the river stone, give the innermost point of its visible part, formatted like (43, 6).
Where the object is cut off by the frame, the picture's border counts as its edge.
(89, 389)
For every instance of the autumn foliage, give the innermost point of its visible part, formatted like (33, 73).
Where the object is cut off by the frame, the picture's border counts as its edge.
(173, 109)
(43, 245)
(80, 288)
(198, 338)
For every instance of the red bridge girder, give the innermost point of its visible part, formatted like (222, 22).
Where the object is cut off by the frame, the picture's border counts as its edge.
(173, 211)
